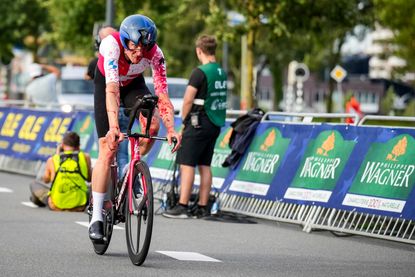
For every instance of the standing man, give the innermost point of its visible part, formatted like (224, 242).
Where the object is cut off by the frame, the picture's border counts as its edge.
(102, 33)
(203, 114)
(41, 90)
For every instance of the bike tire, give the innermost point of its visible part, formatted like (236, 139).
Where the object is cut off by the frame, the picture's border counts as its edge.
(108, 215)
(139, 224)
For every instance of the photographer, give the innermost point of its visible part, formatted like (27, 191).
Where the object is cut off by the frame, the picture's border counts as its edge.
(64, 185)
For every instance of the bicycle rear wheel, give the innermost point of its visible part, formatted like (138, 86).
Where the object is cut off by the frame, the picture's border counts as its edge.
(139, 222)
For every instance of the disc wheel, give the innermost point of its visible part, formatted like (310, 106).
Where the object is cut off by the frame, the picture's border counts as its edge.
(139, 222)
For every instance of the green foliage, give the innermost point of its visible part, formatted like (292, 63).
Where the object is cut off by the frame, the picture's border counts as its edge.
(410, 109)
(399, 16)
(20, 19)
(386, 103)
(72, 23)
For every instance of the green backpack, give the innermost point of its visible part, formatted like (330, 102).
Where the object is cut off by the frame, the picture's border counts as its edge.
(69, 189)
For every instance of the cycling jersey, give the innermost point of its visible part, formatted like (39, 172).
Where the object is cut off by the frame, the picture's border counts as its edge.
(116, 68)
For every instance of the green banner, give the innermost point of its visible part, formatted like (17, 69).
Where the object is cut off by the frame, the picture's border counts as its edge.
(259, 166)
(220, 154)
(386, 176)
(321, 166)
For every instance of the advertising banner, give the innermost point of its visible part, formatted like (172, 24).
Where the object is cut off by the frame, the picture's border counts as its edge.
(84, 126)
(256, 170)
(160, 159)
(33, 135)
(385, 179)
(4, 144)
(321, 166)
(220, 153)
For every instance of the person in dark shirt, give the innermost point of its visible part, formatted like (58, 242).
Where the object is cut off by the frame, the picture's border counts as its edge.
(103, 33)
(203, 115)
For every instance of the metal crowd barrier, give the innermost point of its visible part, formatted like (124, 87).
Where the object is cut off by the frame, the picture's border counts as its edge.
(311, 217)
(365, 224)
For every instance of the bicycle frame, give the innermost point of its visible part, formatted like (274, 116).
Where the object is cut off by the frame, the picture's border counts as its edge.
(134, 141)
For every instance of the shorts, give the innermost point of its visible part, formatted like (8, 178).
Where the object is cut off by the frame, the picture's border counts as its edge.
(128, 97)
(198, 143)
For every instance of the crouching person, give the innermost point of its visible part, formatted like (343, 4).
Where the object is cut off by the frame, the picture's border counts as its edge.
(64, 185)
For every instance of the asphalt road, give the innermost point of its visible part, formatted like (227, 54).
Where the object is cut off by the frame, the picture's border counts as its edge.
(39, 242)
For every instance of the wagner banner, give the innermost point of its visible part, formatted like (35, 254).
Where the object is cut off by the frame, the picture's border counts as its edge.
(254, 174)
(321, 166)
(386, 176)
(161, 160)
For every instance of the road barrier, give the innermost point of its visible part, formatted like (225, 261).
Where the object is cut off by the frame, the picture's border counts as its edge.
(321, 175)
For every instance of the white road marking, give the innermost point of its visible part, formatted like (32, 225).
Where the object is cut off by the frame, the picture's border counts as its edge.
(86, 224)
(188, 256)
(7, 190)
(30, 204)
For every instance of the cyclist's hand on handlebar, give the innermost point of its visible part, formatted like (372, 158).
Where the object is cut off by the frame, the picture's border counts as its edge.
(175, 139)
(114, 136)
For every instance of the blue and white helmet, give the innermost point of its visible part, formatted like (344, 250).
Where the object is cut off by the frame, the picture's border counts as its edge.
(140, 30)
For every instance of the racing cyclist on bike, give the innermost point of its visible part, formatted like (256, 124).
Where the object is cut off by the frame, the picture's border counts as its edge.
(123, 57)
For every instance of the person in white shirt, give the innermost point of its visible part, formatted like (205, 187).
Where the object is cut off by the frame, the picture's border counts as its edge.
(41, 90)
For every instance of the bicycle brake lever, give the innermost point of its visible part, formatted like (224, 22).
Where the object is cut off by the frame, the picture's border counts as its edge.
(174, 140)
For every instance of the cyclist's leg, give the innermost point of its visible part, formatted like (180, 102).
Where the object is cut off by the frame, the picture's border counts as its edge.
(100, 173)
(122, 154)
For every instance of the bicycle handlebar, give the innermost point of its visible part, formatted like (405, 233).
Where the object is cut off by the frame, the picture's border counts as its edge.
(147, 103)
(138, 135)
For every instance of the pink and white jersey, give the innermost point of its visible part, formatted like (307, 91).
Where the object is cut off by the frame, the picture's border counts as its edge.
(115, 67)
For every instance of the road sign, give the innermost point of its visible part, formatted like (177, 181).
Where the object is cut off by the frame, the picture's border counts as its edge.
(338, 73)
(301, 72)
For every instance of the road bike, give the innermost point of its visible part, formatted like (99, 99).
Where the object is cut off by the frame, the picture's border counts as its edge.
(131, 199)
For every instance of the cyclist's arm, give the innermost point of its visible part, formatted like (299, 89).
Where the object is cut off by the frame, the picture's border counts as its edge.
(160, 87)
(110, 50)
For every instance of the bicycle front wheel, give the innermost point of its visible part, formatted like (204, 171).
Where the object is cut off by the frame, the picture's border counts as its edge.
(139, 220)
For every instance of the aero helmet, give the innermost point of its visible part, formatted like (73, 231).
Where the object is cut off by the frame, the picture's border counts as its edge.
(139, 29)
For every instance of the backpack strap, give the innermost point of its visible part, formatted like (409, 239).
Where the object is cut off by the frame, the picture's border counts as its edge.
(64, 157)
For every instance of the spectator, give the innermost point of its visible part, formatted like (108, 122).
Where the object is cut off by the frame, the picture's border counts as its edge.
(353, 107)
(64, 185)
(203, 114)
(41, 90)
(102, 33)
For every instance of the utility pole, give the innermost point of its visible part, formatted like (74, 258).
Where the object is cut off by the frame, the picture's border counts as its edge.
(109, 14)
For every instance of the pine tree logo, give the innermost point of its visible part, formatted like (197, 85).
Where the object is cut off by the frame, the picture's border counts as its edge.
(398, 150)
(226, 138)
(269, 141)
(327, 145)
(85, 124)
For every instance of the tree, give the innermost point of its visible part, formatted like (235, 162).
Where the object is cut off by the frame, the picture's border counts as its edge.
(398, 15)
(386, 103)
(294, 29)
(72, 23)
(22, 23)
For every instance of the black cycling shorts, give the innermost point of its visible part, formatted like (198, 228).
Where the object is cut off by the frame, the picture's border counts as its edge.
(128, 97)
(198, 143)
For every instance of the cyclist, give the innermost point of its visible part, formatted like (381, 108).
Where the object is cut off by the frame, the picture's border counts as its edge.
(123, 57)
